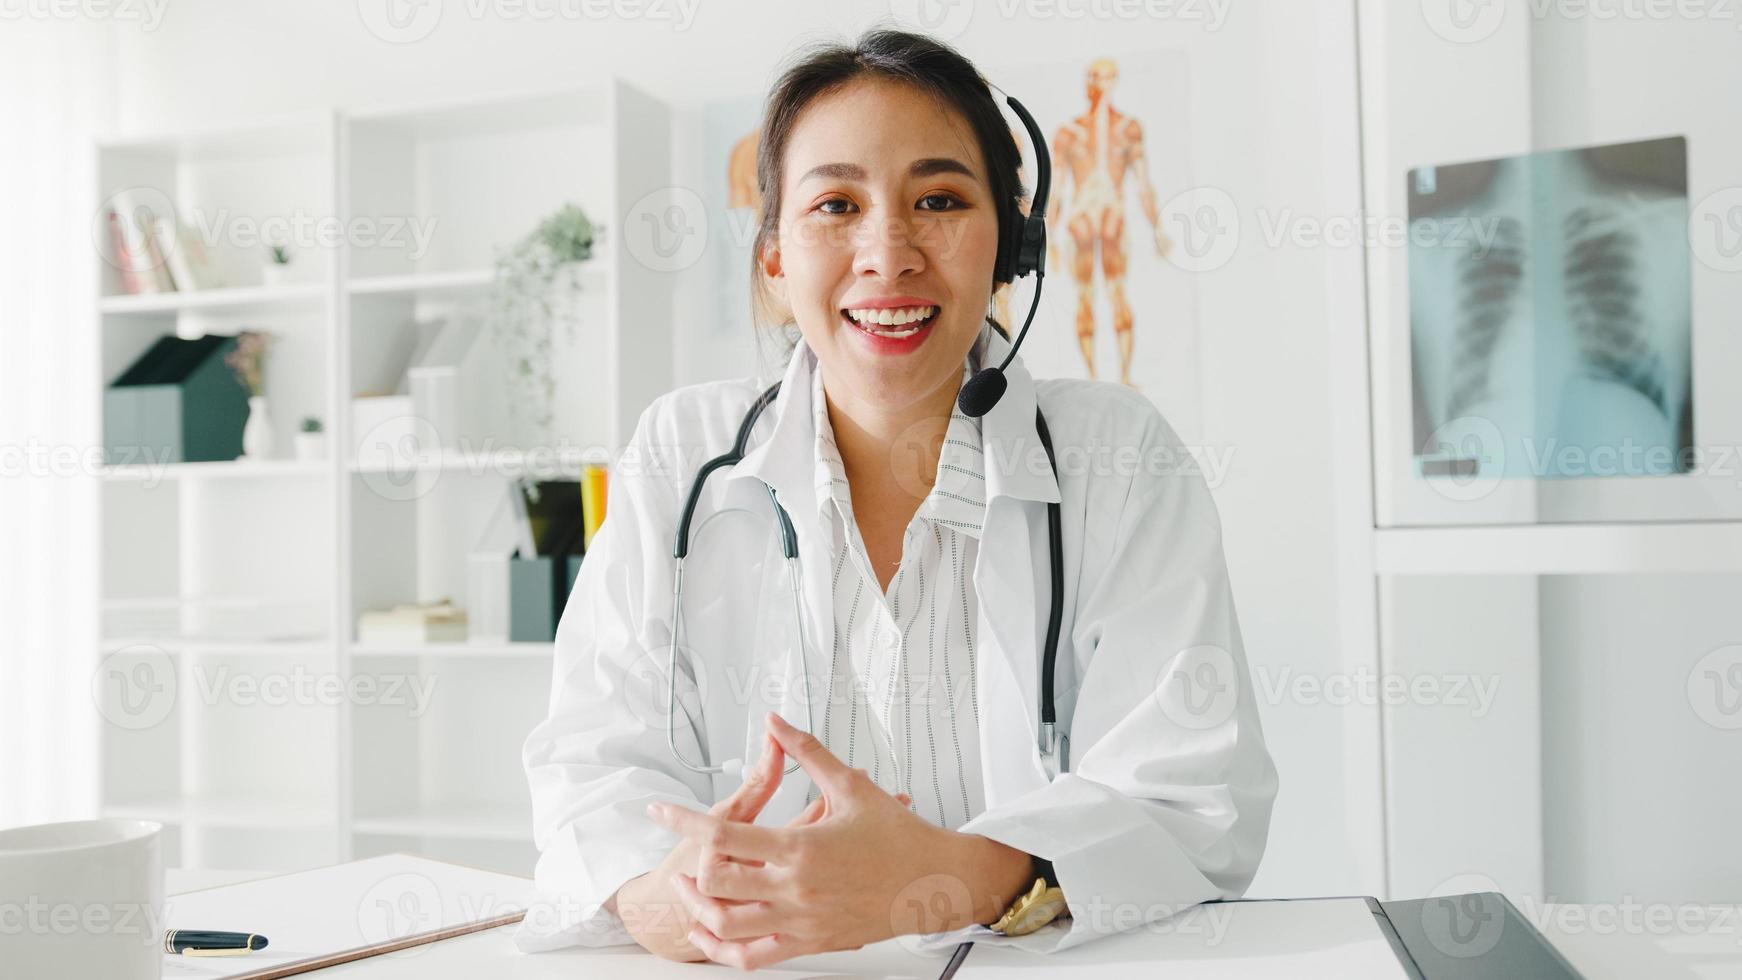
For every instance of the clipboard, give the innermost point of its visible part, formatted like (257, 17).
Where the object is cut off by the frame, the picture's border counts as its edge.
(328, 916)
(1479, 936)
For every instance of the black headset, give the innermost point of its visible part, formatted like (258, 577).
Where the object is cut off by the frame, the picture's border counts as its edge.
(1021, 250)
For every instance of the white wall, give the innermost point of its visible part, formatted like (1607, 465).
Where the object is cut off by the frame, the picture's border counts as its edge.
(1258, 119)
(1594, 779)
(1643, 796)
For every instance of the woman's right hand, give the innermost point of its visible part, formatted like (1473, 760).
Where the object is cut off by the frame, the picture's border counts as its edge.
(649, 905)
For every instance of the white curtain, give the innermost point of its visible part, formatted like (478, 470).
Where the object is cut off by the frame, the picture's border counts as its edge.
(57, 91)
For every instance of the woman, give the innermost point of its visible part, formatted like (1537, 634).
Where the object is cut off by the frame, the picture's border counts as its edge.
(895, 784)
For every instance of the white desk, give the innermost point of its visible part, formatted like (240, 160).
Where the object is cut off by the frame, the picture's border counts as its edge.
(1603, 952)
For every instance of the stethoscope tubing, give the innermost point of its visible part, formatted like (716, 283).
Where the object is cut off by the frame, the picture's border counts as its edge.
(1049, 739)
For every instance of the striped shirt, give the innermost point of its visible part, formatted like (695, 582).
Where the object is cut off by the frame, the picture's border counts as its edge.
(902, 668)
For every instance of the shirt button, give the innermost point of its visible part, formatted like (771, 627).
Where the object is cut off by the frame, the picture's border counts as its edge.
(890, 640)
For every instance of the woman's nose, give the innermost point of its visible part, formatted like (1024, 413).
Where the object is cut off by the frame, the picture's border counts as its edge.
(887, 246)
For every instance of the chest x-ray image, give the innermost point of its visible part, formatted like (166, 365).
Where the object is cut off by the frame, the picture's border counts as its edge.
(1550, 314)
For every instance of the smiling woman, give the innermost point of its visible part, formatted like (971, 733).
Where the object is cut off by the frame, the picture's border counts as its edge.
(880, 163)
(918, 545)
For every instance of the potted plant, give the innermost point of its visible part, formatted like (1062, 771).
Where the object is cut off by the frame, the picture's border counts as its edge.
(248, 360)
(310, 440)
(277, 270)
(535, 280)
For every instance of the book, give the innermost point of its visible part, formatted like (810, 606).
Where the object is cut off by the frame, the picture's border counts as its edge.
(122, 255)
(184, 255)
(438, 622)
(133, 254)
(592, 503)
(149, 225)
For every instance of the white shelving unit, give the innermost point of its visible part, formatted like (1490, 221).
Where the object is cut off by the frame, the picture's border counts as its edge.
(1585, 602)
(239, 708)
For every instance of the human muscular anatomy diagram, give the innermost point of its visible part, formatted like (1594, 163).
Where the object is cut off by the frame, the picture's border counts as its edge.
(741, 172)
(1092, 155)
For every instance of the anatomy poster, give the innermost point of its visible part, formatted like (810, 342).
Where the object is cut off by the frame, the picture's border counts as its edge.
(1115, 308)
(729, 157)
(1550, 314)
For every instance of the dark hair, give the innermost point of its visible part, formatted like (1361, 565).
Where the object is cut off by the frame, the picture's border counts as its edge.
(929, 65)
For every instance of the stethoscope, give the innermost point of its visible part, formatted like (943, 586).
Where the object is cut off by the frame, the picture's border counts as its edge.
(1022, 251)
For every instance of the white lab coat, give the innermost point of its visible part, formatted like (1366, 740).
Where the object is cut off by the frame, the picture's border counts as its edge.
(1168, 799)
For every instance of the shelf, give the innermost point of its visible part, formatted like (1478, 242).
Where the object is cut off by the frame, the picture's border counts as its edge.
(472, 821)
(164, 811)
(433, 283)
(1703, 547)
(462, 280)
(229, 469)
(293, 134)
(359, 775)
(533, 651)
(499, 463)
(206, 644)
(231, 300)
(278, 814)
(489, 114)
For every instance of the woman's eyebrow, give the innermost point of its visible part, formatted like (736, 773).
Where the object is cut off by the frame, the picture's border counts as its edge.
(923, 167)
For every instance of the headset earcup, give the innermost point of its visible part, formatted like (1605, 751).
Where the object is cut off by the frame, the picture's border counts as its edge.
(1031, 252)
(1009, 245)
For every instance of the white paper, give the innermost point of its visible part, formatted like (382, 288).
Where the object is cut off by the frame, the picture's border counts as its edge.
(1331, 938)
(314, 914)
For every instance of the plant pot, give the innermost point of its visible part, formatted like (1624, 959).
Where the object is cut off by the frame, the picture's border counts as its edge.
(257, 433)
(311, 446)
(273, 274)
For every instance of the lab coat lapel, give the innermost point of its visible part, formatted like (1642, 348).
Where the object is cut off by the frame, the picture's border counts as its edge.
(1012, 584)
(789, 697)
(783, 459)
(1007, 669)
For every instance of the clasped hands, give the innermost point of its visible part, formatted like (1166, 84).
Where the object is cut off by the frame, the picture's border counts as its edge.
(857, 866)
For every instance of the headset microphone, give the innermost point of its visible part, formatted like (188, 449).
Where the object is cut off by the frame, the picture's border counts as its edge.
(1021, 250)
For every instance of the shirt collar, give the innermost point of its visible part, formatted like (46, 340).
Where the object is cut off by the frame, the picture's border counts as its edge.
(957, 498)
(1014, 463)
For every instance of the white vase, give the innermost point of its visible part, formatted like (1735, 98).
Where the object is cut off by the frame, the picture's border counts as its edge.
(311, 446)
(273, 274)
(257, 434)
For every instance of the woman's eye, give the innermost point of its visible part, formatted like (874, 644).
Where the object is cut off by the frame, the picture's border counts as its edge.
(930, 202)
(950, 202)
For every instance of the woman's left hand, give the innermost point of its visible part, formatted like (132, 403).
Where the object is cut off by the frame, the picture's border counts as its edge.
(856, 867)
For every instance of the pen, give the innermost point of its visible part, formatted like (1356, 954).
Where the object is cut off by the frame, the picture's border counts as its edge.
(955, 962)
(201, 942)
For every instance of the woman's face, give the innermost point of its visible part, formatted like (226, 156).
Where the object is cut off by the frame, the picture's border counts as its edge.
(886, 216)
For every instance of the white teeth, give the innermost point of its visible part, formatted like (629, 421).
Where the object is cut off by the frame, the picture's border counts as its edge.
(870, 319)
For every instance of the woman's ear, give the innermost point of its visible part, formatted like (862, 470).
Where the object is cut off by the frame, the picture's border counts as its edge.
(772, 271)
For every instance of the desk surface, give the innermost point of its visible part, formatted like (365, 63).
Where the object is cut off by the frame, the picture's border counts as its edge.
(1598, 942)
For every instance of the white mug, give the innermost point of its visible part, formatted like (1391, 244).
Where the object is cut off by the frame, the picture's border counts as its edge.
(82, 899)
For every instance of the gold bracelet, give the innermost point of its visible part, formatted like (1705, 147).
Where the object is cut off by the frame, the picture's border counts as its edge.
(1031, 911)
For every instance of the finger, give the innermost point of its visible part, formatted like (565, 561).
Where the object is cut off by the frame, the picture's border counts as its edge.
(723, 837)
(829, 773)
(725, 920)
(815, 811)
(758, 786)
(755, 778)
(737, 882)
(751, 955)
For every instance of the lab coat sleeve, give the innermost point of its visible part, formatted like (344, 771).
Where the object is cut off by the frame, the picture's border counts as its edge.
(600, 756)
(1168, 800)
